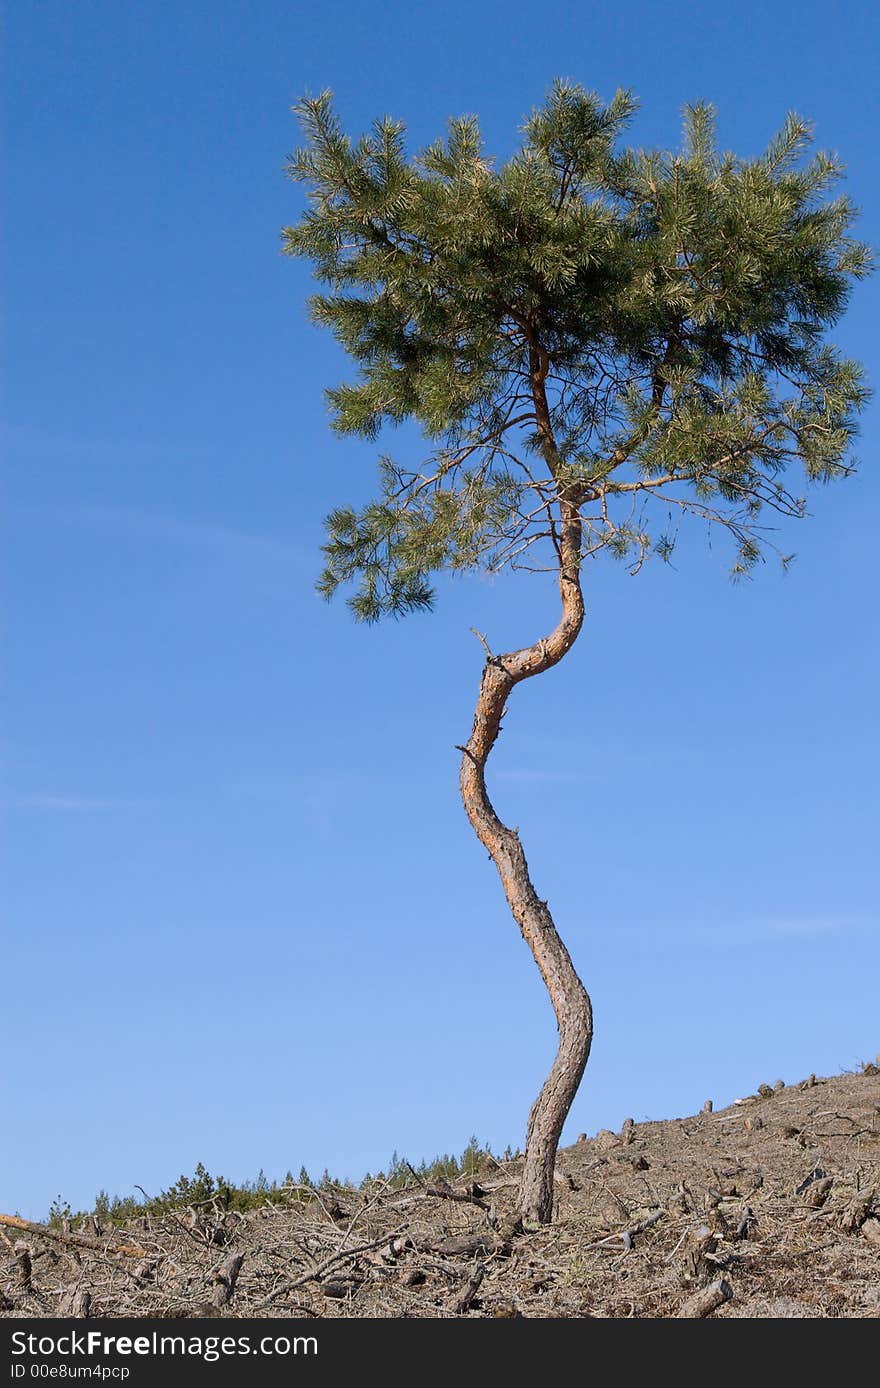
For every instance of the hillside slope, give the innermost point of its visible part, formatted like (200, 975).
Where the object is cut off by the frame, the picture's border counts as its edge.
(769, 1208)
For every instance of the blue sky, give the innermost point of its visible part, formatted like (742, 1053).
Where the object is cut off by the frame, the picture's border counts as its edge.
(246, 922)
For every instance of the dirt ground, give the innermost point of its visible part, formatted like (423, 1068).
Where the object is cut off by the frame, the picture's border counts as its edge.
(769, 1208)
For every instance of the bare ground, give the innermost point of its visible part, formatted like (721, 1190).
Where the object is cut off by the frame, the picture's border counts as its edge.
(769, 1208)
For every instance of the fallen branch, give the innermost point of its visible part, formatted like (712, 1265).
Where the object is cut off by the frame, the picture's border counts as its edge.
(463, 1197)
(25, 1267)
(76, 1303)
(463, 1301)
(76, 1240)
(627, 1235)
(225, 1279)
(704, 1302)
(317, 1272)
(470, 1246)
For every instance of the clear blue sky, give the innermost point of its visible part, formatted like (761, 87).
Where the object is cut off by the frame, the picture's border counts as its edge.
(246, 921)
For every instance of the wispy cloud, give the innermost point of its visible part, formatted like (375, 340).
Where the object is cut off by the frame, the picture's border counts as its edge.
(546, 776)
(810, 927)
(226, 542)
(274, 567)
(64, 804)
(322, 797)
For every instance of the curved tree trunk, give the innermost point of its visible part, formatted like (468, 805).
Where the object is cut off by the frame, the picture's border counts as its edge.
(570, 1000)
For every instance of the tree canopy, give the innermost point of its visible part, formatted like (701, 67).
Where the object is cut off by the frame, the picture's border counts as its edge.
(595, 342)
(673, 308)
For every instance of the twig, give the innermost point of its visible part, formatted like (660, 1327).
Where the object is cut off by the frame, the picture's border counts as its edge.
(489, 656)
(670, 1257)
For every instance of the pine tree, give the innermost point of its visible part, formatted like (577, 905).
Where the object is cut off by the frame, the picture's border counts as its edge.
(592, 339)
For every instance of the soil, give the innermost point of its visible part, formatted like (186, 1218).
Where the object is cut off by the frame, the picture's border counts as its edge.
(769, 1208)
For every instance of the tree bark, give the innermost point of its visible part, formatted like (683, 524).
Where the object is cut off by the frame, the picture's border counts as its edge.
(570, 1000)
